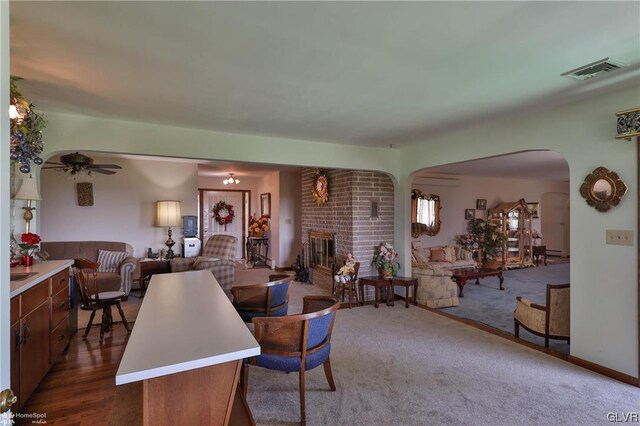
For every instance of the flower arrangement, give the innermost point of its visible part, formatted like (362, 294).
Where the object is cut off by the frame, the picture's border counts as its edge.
(30, 243)
(385, 260)
(258, 225)
(536, 235)
(25, 130)
(467, 240)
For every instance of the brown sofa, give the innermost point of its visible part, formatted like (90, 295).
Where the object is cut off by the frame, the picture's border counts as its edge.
(107, 281)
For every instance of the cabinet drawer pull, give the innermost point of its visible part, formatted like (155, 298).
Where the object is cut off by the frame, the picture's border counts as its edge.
(17, 340)
(27, 333)
(62, 305)
(61, 280)
(61, 338)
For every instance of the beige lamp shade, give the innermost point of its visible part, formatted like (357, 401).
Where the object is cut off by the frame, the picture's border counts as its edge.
(28, 190)
(168, 213)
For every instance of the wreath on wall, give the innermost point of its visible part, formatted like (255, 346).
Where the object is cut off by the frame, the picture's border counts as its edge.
(223, 206)
(320, 188)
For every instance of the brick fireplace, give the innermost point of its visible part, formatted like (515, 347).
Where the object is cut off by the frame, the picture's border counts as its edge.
(348, 214)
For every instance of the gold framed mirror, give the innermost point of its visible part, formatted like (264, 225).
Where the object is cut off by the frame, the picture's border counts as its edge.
(603, 189)
(425, 214)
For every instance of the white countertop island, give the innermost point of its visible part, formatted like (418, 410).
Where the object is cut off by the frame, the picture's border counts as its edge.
(186, 323)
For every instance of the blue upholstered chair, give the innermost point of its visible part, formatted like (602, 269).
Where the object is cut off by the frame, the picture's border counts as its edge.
(296, 342)
(270, 299)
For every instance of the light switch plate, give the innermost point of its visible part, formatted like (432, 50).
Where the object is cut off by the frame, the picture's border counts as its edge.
(620, 237)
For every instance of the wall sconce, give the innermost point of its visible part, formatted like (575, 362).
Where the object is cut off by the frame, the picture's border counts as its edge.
(168, 215)
(231, 179)
(628, 124)
(28, 191)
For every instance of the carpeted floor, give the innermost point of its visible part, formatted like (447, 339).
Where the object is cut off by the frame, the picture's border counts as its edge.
(397, 366)
(486, 304)
(411, 366)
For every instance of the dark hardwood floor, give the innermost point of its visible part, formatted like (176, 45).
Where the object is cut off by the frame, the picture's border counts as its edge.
(80, 389)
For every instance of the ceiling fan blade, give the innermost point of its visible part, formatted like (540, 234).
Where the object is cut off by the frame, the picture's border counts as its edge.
(53, 163)
(103, 171)
(51, 166)
(104, 166)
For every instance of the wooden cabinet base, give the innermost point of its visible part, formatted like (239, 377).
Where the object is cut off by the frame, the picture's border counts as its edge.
(202, 396)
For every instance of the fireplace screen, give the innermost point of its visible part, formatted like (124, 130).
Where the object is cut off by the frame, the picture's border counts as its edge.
(323, 249)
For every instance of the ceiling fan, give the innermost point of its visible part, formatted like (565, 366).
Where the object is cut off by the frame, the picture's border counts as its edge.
(75, 163)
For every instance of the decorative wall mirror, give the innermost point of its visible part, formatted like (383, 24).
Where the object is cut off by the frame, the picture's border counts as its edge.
(425, 214)
(603, 189)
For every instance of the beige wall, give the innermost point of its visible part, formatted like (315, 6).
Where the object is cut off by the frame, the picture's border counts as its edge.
(124, 203)
(458, 193)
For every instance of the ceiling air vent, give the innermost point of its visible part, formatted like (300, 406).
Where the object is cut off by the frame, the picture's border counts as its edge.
(594, 69)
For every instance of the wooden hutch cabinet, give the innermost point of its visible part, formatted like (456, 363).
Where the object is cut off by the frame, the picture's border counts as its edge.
(514, 221)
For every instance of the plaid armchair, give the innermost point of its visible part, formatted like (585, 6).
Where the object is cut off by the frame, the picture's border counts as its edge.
(218, 256)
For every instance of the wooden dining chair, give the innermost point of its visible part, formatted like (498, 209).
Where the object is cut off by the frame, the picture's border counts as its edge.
(262, 299)
(296, 343)
(348, 287)
(85, 273)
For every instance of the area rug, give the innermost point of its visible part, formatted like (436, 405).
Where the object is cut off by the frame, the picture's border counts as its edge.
(486, 304)
(130, 308)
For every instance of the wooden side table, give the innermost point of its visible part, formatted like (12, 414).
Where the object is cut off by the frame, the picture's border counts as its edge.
(149, 268)
(378, 283)
(406, 282)
(540, 251)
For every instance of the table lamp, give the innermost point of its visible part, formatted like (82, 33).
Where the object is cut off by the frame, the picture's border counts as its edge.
(28, 191)
(168, 215)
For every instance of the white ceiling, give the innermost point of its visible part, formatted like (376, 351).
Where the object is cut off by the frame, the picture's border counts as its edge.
(369, 73)
(539, 165)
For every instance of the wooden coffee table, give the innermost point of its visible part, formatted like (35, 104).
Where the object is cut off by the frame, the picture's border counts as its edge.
(462, 275)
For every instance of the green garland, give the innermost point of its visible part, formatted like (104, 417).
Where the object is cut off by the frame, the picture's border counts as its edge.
(25, 130)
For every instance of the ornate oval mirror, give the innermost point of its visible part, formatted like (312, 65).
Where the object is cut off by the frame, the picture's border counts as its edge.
(425, 214)
(603, 189)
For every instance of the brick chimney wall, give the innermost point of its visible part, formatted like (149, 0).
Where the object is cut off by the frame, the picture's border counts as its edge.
(347, 213)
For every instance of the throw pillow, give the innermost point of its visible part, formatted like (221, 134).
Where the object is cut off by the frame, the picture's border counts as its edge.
(450, 253)
(421, 255)
(438, 255)
(417, 245)
(110, 260)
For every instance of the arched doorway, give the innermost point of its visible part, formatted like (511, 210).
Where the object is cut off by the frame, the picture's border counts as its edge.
(555, 225)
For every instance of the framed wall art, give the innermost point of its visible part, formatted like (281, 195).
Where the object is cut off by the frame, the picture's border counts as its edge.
(265, 204)
(85, 194)
(534, 210)
(481, 204)
(469, 214)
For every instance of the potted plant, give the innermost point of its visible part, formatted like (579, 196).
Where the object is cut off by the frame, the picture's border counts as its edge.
(385, 261)
(30, 244)
(488, 237)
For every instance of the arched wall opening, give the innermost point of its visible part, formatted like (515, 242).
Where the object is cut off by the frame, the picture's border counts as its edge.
(470, 190)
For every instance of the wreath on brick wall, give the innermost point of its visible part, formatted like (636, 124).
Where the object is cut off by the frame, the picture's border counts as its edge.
(222, 206)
